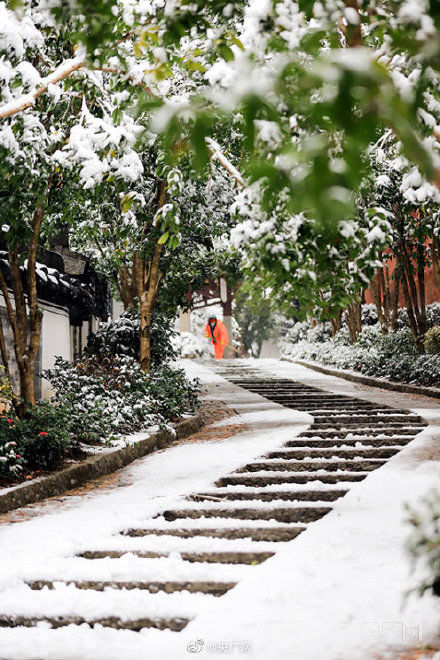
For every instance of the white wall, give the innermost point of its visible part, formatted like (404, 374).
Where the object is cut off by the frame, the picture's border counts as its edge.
(117, 309)
(55, 339)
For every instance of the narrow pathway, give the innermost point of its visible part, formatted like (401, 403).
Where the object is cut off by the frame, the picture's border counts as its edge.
(222, 532)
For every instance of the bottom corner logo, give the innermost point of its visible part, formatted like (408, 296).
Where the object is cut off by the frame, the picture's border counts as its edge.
(195, 646)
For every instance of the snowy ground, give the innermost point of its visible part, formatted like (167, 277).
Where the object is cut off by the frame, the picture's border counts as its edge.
(334, 593)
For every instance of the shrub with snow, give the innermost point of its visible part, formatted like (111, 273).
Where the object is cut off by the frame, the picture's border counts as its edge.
(114, 396)
(121, 337)
(39, 439)
(433, 314)
(391, 356)
(432, 340)
(5, 386)
(187, 345)
(423, 543)
(369, 314)
(10, 458)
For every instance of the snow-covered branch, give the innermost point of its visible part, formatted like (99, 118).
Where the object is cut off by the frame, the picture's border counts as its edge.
(25, 101)
(218, 155)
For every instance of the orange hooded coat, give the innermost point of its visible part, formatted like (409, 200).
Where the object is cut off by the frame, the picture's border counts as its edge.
(220, 336)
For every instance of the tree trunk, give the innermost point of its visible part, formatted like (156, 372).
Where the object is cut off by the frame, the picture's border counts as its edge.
(377, 301)
(412, 320)
(336, 323)
(148, 300)
(148, 297)
(24, 316)
(353, 32)
(6, 364)
(435, 258)
(416, 315)
(395, 301)
(354, 320)
(421, 261)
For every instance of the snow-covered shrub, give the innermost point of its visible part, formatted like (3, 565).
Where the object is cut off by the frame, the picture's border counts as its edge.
(391, 356)
(433, 314)
(342, 338)
(40, 438)
(369, 314)
(105, 397)
(398, 343)
(188, 345)
(423, 543)
(369, 336)
(298, 332)
(113, 396)
(173, 394)
(402, 318)
(321, 332)
(118, 337)
(11, 460)
(122, 337)
(432, 340)
(5, 386)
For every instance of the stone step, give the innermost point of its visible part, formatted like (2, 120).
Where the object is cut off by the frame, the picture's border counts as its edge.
(310, 398)
(318, 402)
(317, 408)
(288, 495)
(368, 431)
(313, 394)
(300, 454)
(212, 588)
(271, 382)
(309, 466)
(175, 624)
(203, 557)
(287, 515)
(339, 442)
(270, 534)
(302, 390)
(375, 425)
(249, 479)
(366, 419)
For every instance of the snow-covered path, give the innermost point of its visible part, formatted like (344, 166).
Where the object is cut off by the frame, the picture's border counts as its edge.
(213, 543)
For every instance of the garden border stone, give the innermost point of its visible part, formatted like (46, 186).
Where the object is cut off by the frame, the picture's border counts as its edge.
(94, 467)
(406, 388)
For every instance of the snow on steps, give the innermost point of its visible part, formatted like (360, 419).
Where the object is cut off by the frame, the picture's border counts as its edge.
(162, 575)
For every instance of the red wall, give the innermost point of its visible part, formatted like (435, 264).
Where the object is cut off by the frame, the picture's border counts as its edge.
(432, 292)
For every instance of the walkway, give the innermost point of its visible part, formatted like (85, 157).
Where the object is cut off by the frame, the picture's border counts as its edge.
(214, 547)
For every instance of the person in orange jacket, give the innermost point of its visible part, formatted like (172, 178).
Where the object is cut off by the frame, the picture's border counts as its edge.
(216, 331)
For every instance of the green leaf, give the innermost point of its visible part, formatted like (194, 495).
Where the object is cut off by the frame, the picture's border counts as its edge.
(126, 203)
(163, 239)
(226, 52)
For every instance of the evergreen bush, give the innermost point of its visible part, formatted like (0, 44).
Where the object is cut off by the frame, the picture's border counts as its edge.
(5, 387)
(38, 440)
(432, 340)
(391, 356)
(423, 543)
(121, 338)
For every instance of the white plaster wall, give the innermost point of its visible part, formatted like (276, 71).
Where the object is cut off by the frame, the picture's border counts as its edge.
(117, 309)
(55, 340)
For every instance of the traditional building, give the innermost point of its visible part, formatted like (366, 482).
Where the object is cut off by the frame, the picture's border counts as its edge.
(73, 298)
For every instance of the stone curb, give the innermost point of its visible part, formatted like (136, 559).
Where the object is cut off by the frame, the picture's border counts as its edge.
(97, 466)
(432, 392)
